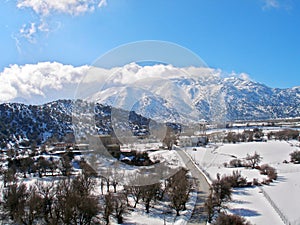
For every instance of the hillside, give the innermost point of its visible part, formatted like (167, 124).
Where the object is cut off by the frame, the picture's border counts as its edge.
(59, 120)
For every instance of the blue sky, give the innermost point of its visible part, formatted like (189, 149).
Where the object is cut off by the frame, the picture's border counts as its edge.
(257, 37)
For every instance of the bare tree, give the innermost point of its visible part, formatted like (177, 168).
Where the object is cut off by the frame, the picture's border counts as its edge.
(170, 137)
(26, 165)
(53, 165)
(149, 193)
(179, 189)
(116, 175)
(221, 192)
(108, 207)
(42, 166)
(74, 203)
(33, 207)
(209, 206)
(102, 179)
(135, 192)
(119, 207)
(48, 194)
(83, 184)
(254, 159)
(106, 176)
(67, 201)
(79, 205)
(235, 180)
(64, 204)
(87, 208)
(14, 202)
(9, 176)
(66, 165)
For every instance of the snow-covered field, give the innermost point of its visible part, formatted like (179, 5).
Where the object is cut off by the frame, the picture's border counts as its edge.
(277, 203)
(160, 212)
(251, 204)
(258, 205)
(286, 195)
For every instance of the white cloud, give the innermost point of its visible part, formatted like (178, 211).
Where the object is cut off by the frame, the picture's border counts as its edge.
(132, 73)
(46, 8)
(28, 32)
(18, 43)
(271, 4)
(278, 4)
(43, 26)
(71, 7)
(245, 76)
(48, 81)
(38, 81)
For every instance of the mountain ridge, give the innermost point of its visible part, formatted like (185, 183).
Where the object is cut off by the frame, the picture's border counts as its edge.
(195, 94)
(176, 99)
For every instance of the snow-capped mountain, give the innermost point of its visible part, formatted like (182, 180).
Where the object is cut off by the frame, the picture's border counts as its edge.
(162, 93)
(183, 95)
(251, 100)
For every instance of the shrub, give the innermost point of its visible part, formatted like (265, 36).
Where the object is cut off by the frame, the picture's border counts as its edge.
(255, 182)
(235, 180)
(295, 157)
(269, 171)
(235, 163)
(231, 137)
(226, 219)
(286, 134)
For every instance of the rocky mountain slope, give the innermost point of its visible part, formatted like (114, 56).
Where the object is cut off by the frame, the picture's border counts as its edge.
(59, 120)
(187, 95)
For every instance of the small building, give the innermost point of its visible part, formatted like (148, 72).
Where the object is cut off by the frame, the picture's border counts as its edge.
(81, 146)
(62, 146)
(193, 141)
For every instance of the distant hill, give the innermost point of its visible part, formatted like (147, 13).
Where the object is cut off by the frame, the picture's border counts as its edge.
(58, 120)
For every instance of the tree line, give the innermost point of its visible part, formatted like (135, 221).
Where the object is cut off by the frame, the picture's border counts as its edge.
(85, 198)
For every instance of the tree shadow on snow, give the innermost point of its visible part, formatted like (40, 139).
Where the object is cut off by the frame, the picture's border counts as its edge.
(241, 191)
(245, 212)
(280, 179)
(240, 201)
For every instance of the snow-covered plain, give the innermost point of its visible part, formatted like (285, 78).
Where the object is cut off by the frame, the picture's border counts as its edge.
(264, 205)
(270, 204)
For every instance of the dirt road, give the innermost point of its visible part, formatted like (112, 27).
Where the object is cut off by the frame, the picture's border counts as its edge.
(198, 215)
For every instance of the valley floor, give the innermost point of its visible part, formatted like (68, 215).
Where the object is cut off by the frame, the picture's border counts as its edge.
(277, 203)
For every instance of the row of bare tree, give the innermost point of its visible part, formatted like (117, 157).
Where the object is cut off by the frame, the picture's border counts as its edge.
(64, 201)
(74, 199)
